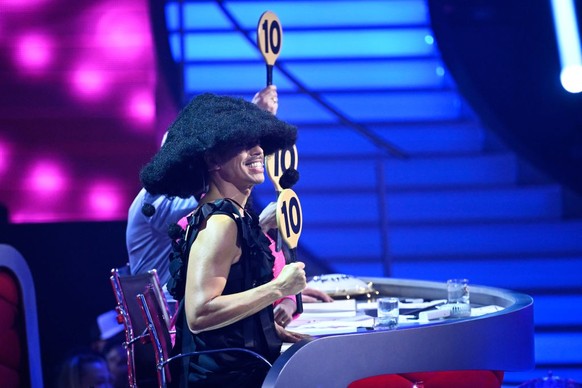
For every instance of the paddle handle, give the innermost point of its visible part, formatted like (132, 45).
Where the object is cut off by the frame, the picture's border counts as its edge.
(269, 75)
(298, 297)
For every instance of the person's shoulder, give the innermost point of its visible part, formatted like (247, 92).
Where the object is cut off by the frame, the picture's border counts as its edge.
(220, 226)
(220, 206)
(173, 208)
(221, 213)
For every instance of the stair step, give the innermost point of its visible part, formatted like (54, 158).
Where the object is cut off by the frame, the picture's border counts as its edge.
(558, 348)
(477, 240)
(555, 353)
(358, 173)
(434, 138)
(507, 204)
(430, 138)
(309, 45)
(537, 238)
(242, 78)
(398, 105)
(379, 74)
(513, 379)
(550, 273)
(389, 106)
(339, 13)
(485, 205)
(558, 310)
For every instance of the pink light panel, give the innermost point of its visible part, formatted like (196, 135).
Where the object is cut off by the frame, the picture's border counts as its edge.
(104, 200)
(46, 179)
(5, 156)
(93, 109)
(21, 4)
(34, 51)
(89, 81)
(120, 32)
(141, 107)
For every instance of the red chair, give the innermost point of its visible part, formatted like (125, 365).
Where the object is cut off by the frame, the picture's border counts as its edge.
(10, 368)
(440, 379)
(20, 364)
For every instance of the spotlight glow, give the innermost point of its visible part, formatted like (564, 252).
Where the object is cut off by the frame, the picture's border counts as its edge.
(568, 38)
(88, 81)
(571, 78)
(21, 4)
(5, 154)
(104, 200)
(121, 33)
(46, 178)
(34, 51)
(142, 107)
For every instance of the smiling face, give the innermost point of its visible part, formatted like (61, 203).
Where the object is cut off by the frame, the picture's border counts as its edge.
(242, 168)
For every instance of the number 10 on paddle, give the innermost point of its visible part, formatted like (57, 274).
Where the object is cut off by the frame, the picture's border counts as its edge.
(269, 40)
(290, 224)
(289, 218)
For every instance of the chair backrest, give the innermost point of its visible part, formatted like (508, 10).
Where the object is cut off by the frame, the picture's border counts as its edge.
(153, 314)
(161, 339)
(140, 359)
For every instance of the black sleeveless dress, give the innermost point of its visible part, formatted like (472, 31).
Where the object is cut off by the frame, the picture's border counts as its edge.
(256, 332)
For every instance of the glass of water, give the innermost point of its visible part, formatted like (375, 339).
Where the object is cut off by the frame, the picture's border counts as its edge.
(388, 312)
(458, 297)
(458, 291)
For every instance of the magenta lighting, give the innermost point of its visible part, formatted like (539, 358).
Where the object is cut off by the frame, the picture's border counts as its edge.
(78, 115)
(34, 51)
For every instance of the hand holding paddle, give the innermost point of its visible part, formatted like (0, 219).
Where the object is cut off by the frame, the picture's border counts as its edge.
(290, 224)
(270, 40)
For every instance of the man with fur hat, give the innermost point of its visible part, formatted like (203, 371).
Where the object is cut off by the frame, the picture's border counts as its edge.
(150, 217)
(222, 269)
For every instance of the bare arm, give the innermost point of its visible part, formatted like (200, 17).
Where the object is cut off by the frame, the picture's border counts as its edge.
(211, 256)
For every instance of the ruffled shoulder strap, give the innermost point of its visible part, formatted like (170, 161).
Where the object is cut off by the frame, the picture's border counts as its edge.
(181, 246)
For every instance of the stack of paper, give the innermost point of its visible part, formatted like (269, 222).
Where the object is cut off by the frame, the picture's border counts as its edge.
(335, 309)
(331, 325)
(337, 317)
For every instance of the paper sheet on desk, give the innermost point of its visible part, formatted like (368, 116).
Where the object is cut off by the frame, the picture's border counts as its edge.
(330, 325)
(335, 309)
(478, 311)
(369, 305)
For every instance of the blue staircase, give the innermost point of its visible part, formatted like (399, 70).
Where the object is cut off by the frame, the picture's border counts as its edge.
(398, 176)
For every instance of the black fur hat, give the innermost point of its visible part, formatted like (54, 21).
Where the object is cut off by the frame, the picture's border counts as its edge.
(210, 123)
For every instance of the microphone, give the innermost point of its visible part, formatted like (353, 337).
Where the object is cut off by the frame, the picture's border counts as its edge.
(148, 209)
(289, 178)
(175, 231)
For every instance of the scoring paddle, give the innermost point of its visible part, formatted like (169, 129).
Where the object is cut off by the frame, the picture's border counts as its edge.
(278, 163)
(288, 214)
(290, 225)
(289, 217)
(269, 40)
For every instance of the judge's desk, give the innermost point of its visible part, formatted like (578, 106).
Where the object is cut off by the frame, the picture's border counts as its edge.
(499, 335)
